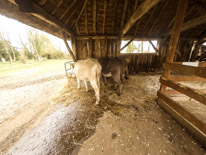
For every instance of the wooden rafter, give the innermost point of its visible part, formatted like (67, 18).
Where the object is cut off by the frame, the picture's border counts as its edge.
(123, 14)
(43, 15)
(193, 23)
(114, 15)
(94, 15)
(71, 15)
(139, 12)
(160, 14)
(105, 15)
(67, 10)
(135, 5)
(83, 7)
(58, 5)
(86, 24)
(42, 2)
(77, 28)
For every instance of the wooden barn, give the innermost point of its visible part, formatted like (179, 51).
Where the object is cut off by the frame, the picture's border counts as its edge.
(96, 29)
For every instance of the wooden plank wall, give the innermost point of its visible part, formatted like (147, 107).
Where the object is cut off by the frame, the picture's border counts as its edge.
(96, 48)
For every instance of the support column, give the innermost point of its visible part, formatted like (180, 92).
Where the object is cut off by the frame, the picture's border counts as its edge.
(179, 18)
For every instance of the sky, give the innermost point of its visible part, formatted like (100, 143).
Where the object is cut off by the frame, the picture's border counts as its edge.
(15, 29)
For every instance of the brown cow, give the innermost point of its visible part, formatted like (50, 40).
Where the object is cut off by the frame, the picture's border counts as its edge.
(112, 67)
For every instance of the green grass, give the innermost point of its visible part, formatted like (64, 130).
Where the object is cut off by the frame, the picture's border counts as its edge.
(7, 69)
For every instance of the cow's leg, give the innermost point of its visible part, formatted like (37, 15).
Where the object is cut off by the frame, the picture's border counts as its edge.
(117, 78)
(97, 91)
(78, 82)
(85, 83)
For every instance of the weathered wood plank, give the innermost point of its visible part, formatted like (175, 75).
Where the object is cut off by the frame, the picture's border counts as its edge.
(195, 94)
(185, 78)
(199, 124)
(94, 15)
(67, 10)
(183, 69)
(186, 119)
(123, 14)
(58, 5)
(174, 92)
(105, 15)
(140, 11)
(80, 13)
(90, 48)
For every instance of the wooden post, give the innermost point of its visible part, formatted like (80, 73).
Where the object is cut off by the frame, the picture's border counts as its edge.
(68, 48)
(179, 18)
(90, 48)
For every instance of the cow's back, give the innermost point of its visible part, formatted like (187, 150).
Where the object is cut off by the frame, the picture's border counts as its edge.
(87, 69)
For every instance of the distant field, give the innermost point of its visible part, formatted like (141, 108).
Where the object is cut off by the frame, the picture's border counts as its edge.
(15, 68)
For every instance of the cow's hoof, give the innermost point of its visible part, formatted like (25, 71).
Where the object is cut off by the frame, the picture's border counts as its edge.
(96, 103)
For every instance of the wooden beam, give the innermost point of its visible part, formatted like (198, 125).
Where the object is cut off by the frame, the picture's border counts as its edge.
(71, 15)
(186, 78)
(174, 92)
(140, 11)
(126, 44)
(68, 48)
(86, 22)
(179, 18)
(157, 51)
(183, 69)
(67, 10)
(42, 2)
(123, 14)
(193, 23)
(77, 28)
(58, 5)
(94, 15)
(83, 7)
(192, 93)
(126, 37)
(105, 15)
(43, 15)
(196, 123)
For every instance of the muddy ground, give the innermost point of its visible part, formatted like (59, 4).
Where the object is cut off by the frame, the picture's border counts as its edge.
(38, 119)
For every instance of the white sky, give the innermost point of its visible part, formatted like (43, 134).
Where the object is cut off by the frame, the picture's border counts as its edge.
(15, 29)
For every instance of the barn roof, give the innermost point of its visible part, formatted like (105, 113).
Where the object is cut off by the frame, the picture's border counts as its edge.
(107, 18)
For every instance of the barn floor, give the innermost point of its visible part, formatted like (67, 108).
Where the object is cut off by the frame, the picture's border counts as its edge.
(70, 123)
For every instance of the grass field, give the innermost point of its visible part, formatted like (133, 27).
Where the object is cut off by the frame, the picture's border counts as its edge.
(7, 69)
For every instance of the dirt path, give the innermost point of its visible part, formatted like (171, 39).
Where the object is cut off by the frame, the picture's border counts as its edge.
(132, 123)
(24, 103)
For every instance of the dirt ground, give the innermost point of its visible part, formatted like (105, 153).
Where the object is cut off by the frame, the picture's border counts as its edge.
(38, 119)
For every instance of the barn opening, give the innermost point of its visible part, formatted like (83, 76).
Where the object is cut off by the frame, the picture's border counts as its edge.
(96, 29)
(138, 46)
